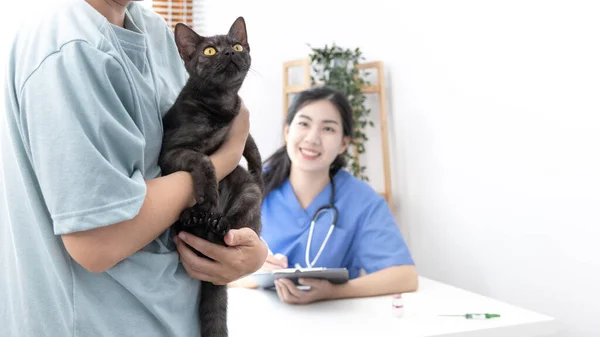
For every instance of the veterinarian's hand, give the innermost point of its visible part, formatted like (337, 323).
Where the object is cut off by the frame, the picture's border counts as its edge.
(273, 262)
(244, 255)
(289, 293)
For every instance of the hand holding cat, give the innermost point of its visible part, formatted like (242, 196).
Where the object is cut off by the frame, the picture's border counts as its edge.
(289, 293)
(245, 254)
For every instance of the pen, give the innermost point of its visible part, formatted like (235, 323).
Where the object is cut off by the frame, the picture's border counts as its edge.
(475, 316)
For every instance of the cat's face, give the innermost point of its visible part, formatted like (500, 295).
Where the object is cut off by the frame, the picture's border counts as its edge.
(223, 60)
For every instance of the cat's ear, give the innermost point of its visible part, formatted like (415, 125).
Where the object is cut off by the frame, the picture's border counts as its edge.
(187, 41)
(238, 31)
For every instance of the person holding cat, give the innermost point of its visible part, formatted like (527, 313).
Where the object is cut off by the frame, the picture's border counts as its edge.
(299, 180)
(85, 248)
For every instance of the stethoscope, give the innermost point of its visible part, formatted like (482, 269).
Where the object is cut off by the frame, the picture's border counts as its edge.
(334, 218)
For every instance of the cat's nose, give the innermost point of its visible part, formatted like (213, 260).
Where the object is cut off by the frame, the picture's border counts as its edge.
(228, 53)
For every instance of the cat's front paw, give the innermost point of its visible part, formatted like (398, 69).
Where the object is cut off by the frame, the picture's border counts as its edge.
(216, 228)
(220, 226)
(207, 197)
(190, 217)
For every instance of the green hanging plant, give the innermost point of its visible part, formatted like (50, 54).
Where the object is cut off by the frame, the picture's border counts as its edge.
(336, 67)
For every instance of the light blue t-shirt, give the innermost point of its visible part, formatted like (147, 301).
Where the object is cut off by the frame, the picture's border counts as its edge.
(80, 133)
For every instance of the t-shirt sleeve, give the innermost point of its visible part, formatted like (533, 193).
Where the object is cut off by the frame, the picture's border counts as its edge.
(379, 243)
(85, 148)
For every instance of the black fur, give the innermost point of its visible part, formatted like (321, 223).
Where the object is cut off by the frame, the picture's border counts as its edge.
(194, 128)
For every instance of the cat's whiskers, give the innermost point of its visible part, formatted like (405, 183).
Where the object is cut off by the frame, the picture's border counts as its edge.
(253, 71)
(206, 81)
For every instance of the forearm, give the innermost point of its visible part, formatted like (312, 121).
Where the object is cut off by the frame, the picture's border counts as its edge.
(227, 157)
(101, 248)
(398, 279)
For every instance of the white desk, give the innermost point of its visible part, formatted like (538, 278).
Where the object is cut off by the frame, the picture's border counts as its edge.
(260, 313)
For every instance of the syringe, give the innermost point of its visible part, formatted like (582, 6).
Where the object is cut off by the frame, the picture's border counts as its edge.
(475, 316)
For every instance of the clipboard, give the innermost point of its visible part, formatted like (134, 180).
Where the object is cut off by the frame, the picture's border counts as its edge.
(267, 279)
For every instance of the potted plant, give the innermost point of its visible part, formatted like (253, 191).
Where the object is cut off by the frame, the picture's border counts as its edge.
(336, 67)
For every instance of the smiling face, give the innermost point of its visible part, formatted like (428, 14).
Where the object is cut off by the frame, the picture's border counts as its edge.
(315, 137)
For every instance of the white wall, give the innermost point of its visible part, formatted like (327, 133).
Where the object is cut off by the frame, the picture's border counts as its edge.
(496, 115)
(495, 110)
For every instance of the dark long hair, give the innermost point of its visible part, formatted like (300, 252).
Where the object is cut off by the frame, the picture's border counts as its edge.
(278, 164)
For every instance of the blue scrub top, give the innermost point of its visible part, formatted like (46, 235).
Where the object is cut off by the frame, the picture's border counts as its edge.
(366, 235)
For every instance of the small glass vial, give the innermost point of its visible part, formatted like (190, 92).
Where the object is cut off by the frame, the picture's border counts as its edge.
(397, 305)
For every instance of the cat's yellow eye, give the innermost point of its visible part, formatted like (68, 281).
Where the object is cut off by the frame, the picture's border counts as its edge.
(238, 47)
(210, 51)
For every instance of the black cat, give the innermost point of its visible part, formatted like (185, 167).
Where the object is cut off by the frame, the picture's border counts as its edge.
(194, 128)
